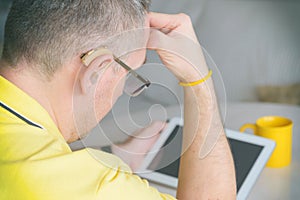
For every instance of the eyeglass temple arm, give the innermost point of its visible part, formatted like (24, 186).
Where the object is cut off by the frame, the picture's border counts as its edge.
(131, 71)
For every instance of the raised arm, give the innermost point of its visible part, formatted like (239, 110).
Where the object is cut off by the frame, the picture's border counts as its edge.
(206, 166)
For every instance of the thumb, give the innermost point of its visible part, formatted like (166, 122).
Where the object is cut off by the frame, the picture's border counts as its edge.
(152, 131)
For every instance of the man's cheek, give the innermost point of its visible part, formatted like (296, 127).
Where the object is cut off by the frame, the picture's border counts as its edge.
(103, 100)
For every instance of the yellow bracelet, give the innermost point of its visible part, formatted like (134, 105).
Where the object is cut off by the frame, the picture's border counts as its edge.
(197, 82)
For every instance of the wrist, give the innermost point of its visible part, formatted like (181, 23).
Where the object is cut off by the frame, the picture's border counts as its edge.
(201, 92)
(192, 73)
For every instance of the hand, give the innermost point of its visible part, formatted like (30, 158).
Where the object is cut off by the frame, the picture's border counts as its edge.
(175, 41)
(134, 150)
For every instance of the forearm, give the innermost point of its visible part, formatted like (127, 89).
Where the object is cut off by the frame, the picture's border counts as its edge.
(209, 174)
(212, 175)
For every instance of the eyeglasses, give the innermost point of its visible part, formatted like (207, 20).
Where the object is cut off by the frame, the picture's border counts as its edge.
(135, 83)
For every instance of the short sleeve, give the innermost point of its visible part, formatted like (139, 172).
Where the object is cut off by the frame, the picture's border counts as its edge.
(127, 186)
(119, 182)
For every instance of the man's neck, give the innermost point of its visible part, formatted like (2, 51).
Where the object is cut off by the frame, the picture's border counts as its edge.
(49, 94)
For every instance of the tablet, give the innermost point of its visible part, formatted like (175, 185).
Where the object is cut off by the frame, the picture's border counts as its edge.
(250, 154)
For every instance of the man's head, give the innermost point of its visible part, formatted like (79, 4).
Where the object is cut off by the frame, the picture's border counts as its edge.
(44, 34)
(49, 38)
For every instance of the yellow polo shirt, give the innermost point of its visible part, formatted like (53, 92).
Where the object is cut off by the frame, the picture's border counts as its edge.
(37, 163)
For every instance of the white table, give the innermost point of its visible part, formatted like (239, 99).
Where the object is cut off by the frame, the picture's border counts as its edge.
(273, 183)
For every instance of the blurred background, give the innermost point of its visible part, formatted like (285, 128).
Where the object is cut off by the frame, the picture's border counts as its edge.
(255, 45)
(4, 7)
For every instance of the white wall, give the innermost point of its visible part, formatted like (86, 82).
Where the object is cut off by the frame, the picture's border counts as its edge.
(252, 42)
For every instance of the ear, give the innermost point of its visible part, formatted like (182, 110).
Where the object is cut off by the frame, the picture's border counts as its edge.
(95, 62)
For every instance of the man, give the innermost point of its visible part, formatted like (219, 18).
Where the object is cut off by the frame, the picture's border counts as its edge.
(60, 66)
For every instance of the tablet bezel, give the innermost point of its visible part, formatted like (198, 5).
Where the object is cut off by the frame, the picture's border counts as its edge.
(176, 121)
(258, 166)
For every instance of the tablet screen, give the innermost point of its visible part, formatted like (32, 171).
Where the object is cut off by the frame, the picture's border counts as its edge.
(168, 159)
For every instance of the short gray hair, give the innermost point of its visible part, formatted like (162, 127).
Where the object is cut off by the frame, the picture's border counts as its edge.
(45, 33)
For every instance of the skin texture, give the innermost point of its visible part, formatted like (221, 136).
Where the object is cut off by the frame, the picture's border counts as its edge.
(211, 177)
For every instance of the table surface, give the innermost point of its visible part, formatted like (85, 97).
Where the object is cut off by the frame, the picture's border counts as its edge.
(282, 183)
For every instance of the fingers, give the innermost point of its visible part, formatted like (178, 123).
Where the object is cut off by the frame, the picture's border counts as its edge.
(166, 21)
(175, 41)
(160, 125)
(152, 130)
(172, 25)
(157, 39)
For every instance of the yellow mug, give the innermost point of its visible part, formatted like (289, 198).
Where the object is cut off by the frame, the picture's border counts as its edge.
(278, 129)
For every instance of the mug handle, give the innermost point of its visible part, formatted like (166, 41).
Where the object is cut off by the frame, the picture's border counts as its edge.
(246, 126)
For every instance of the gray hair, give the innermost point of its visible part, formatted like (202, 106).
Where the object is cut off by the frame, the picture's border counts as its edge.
(46, 33)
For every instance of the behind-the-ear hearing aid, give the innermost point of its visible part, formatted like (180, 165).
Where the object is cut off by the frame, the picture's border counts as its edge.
(93, 54)
(88, 57)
